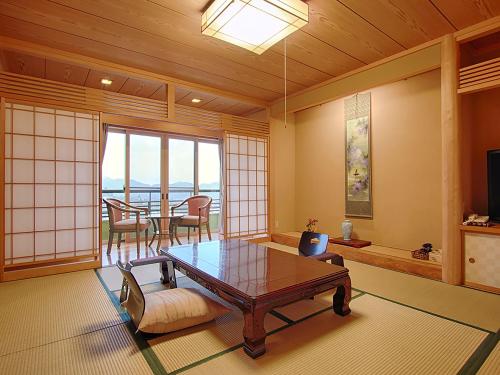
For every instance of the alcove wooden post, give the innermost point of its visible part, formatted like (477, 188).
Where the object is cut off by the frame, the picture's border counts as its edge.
(452, 202)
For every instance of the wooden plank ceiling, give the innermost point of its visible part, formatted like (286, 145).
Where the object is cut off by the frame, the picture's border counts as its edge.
(38, 67)
(163, 36)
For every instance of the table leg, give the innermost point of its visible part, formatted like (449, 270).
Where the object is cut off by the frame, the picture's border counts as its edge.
(171, 231)
(159, 236)
(254, 333)
(176, 237)
(342, 297)
(168, 274)
(155, 229)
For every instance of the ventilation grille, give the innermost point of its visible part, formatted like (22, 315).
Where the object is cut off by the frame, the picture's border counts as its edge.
(49, 92)
(197, 117)
(479, 76)
(15, 86)
(242, 125)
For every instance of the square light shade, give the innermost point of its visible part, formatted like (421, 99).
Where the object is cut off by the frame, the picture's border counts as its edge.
(254, 25)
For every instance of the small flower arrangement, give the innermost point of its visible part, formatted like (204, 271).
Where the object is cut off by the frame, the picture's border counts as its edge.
(311, 225)
(422, 253)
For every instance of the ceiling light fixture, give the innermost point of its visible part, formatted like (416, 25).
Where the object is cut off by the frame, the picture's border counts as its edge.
(106, 81)
(254, 24)
(196, 100)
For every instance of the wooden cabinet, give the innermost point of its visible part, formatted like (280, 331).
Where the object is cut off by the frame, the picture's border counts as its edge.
(482, 258)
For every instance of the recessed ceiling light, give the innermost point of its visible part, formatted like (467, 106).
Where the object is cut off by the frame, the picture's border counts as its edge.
(196, 100)
(254, 24)
(106, 81)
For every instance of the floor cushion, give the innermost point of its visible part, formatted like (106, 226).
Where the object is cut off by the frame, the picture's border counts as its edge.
(175, 309)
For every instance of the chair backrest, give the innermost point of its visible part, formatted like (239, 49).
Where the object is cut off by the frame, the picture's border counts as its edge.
(197, 201)
(312, 243)
(114, 214)
(135, 302)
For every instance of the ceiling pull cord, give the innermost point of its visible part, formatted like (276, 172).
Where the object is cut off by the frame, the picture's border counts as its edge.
(285, 80)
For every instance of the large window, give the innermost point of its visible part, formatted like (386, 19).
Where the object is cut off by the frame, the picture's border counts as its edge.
(135, 170)
(194, 168)
(145, 171)
(209, 172)
(113, 167)
(181, 170)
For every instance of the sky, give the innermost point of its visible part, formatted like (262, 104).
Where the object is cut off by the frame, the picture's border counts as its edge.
(145, 152)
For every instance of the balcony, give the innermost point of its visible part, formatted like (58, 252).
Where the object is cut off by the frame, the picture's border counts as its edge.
(150, 197)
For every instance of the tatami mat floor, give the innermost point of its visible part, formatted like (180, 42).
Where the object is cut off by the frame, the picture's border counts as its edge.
(400, 324)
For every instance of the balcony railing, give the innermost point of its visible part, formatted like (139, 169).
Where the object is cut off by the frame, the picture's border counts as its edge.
(150, 197)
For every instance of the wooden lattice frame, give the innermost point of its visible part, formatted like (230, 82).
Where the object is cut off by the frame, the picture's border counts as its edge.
(238, 178)
(11, 261)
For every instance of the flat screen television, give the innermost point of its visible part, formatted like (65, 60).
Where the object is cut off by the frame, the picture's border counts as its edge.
(494, 185)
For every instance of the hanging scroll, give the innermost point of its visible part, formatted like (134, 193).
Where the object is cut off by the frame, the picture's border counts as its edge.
(358, 194)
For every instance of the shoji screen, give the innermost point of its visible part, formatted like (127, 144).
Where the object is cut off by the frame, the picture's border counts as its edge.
(247, 184)
(51, 185)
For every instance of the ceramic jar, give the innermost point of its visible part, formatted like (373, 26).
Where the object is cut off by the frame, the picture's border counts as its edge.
(347, 229)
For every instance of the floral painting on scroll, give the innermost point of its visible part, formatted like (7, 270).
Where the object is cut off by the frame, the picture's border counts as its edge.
(358, 160)
(358, 176)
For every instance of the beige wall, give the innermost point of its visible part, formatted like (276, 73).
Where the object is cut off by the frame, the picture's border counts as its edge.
(282, 175)
(406, 163)
(480, 119)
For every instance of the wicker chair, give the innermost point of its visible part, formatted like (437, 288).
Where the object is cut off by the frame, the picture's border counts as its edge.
(198, 214)
(118, 224)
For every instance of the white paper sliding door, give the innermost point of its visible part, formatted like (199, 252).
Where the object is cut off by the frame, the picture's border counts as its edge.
(246, 165)
(51, 186)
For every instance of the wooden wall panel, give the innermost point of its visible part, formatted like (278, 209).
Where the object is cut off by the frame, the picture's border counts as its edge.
(58, 71)
(23, 64)
(94, 80)
(137, 87)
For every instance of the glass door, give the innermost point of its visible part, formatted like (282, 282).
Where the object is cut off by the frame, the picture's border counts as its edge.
(159, 171)
(145, 177)
(209, 175)
(194, 168)
(181, 171)
(132, 171)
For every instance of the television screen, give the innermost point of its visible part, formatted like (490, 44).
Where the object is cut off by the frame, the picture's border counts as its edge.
(494, 185)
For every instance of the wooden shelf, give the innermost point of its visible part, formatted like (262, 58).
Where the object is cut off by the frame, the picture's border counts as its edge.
(352, 243)
(488, 230)
(412, 266)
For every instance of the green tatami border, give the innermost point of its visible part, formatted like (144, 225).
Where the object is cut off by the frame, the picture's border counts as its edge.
(147, 352)
(471, 366)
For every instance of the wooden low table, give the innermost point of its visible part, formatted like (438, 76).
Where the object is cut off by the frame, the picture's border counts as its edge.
(258, 279)
(352, 242)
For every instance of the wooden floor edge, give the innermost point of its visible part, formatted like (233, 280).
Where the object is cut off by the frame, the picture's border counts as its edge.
(49, 270)
(430, 271)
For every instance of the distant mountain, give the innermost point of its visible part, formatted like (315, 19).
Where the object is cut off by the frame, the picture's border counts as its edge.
(210, 186)
(117, 184)
(182, 184)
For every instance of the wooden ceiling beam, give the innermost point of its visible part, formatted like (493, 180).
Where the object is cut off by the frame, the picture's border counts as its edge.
(393, 68)
(481, 29)
(12, 44)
